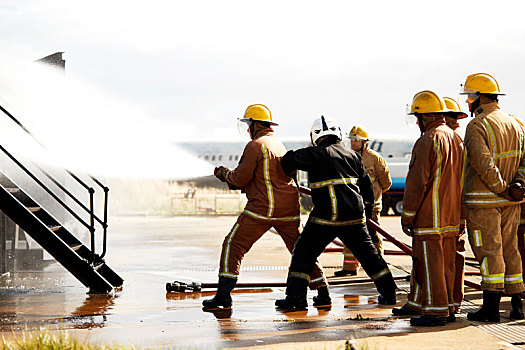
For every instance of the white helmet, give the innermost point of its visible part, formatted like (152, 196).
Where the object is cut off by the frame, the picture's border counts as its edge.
(324, 127)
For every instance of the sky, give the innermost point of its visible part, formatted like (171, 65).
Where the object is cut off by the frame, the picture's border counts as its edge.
(192, 67)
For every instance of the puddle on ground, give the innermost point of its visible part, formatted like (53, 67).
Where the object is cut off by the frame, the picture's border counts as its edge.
(356, 300)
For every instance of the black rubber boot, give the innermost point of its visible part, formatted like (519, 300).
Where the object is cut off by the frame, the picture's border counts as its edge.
(387, 290)
(516, 313)
(292, 302)
(323, 299)
(343, 272)
(451, 317)
(296, 289)
(489, 312)
(222, 297)
(404, 311)
(428, 321)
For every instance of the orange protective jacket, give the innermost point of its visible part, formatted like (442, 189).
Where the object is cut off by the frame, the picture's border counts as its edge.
(432, 200)
(379, 173)
(495, 145)
(270, 192)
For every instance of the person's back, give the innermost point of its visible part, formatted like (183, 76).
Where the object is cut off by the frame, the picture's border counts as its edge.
(341, 189)
(337, 179)
(269, 190)
(273, 202)
(492, 136)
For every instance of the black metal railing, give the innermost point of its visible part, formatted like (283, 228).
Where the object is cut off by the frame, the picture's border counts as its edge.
(90, 211)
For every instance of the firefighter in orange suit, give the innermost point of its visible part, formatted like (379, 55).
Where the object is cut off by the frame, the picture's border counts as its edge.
(379, 173)
(451, 118)
(273, 201)
(494, 179)
(521, 227)
(431, 212)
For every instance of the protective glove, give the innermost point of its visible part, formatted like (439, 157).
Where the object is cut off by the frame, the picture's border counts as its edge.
(368, 211)
(220, 173)
(517, 191)
(514, 192)
(408, 229)
(375, 216)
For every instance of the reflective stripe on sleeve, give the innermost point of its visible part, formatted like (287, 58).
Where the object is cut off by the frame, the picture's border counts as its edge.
(269, 188)
(435, 186)
(333, 200)
(408, 213)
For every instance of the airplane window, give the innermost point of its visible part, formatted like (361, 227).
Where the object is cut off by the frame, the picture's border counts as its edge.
(213, 157)
(236, 157)
(220, 157)
(230, 157)
(206, 157)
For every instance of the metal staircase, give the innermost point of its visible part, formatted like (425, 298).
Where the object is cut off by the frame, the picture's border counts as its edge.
(80, 260)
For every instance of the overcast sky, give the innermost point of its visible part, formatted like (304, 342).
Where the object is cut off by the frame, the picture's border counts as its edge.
(194, 66)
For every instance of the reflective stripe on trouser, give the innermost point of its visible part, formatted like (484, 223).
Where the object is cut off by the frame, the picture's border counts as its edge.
(492, 233)
(459, 280)
(315, 238)
(246, 232)
(350, 262)
(433, 275)
(521, 244)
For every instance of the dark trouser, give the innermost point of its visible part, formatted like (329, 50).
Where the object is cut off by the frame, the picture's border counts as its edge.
(315, 238)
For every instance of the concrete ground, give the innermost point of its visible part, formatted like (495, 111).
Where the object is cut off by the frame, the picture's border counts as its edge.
(150, 251)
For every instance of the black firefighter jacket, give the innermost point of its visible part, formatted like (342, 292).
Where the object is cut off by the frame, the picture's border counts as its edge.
(340, 184)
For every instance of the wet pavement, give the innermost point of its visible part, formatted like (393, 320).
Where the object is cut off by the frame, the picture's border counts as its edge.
(150, 251)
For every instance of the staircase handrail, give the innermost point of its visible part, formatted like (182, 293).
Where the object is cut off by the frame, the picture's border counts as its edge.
(91, 191)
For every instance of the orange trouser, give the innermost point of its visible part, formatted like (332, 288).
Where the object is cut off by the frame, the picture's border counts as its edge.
(350, 262)
(246, 232)
(492, 233)
(433, 276)
(521, 238)
(459, 279)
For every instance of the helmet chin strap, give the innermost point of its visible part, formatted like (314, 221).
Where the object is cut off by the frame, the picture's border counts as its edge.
(251, 128)
(475, 105)
(420, 123)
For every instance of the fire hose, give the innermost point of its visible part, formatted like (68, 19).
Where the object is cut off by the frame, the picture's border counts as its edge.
(178, 286)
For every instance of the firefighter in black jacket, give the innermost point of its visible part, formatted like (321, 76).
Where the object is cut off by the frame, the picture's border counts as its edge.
(341, 190)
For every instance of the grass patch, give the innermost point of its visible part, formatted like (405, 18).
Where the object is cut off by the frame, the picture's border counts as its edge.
(47, 340)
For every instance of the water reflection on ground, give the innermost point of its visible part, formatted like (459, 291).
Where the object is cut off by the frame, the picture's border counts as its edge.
(148, 252)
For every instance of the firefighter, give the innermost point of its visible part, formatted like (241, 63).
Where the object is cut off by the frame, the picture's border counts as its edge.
(379, 173)
(273, 201)
(431, 212)
(341, 190)
(494, 179)
(451, 118)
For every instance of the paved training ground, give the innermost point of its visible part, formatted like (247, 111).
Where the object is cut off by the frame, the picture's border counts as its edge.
(150, 251)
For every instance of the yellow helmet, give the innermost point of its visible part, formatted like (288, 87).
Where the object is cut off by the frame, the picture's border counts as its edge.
(480, 83)
(258, 112)
(453, 106)
(427, 102)
(358, 133)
